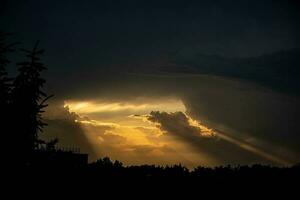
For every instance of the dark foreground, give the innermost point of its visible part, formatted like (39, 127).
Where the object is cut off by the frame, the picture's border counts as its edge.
(105, 171)
(111, 179)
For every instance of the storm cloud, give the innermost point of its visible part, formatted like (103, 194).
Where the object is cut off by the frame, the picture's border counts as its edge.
(218, 145)
(231, 65)
(250, 113)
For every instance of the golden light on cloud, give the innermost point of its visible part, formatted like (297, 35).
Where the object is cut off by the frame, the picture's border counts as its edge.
(127, 123)
(88, 107)
(205, 131)
(97, 123)
(125, 127)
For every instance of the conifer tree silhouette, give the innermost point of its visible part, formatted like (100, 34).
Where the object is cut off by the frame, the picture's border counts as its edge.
(4, 80)
(28, 101)
(5, 89)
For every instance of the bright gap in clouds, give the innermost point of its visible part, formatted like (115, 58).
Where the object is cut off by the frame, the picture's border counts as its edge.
(123, 131)
(125, 114)
(88, 107)
(124, 119)
(130, 137)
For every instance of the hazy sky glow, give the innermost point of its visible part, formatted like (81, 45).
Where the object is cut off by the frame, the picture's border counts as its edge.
(129, 122)
(132, 124)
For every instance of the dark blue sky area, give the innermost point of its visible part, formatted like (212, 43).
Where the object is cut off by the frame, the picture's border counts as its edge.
(86, 39)
(137, 32)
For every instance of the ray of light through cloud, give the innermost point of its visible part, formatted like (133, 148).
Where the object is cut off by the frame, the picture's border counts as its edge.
(130, 127)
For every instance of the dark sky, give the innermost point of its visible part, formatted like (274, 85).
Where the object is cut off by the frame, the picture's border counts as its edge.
(145, 35)
(104, 33)
(233, 63)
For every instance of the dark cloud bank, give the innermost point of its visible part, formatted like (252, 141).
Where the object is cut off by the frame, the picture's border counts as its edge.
(224, 151)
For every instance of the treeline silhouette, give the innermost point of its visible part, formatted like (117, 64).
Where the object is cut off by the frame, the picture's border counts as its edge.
(104, 170)
(106, 167)
(22, 102)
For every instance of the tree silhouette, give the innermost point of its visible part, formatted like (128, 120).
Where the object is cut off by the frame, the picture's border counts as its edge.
(4, 80)
(5, 88)
(28, 101)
